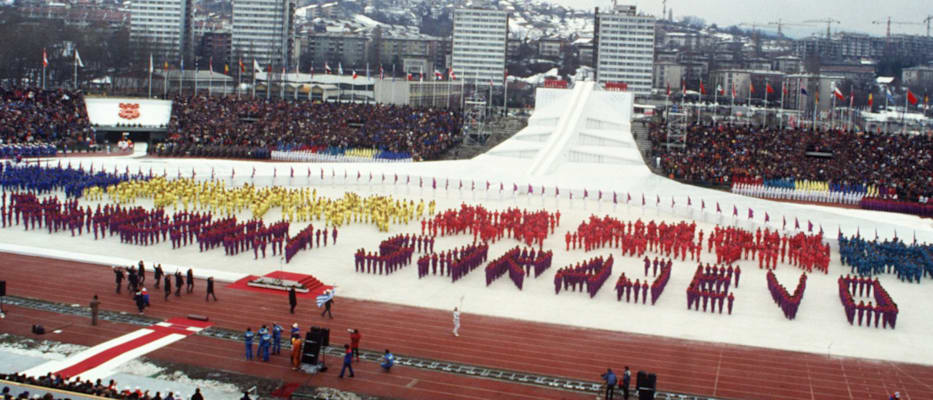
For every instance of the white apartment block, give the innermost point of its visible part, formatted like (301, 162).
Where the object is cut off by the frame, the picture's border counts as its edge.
(264, 30)
(479, 44)
(163, 27)
(624, 44)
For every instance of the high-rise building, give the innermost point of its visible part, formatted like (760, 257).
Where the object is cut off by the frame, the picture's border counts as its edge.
(624, 43)
(163, 27)
(264, 30)
(479, 44)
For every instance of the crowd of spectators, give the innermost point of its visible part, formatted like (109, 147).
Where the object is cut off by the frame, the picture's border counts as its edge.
(35, 116)
(97, 388)
(252, 128)
(897, 164)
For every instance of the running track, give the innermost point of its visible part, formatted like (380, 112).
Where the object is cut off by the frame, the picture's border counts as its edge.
(702, 368)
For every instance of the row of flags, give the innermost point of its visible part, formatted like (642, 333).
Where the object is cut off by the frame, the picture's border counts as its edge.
(438, 75)
(911, 97)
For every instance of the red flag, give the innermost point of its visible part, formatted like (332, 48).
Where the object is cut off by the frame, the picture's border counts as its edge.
(911, 98)
(451, 75)
(870, 100)
(751, 88)
(838, 94)
(45, 59)
(242, 68)
(702, 88)
(668, 90)
(354, 74)
(733, 89)
(768, 88)
(683, 87)
(784, 87)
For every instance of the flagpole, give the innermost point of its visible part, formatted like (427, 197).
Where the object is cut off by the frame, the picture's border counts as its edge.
(164, 79)
(505, 95)
(832, 111)
(851, 103)
(197, 70)
(816, 104)
(76, 70)
(181, 75)
(150, 75)
(887, 95)
(44, 58)
(904, 114)
(462, 89)
(254, 77)
(748, 118)
(781, 112)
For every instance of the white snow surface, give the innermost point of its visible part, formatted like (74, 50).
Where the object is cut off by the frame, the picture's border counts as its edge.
(133, 374)
(820, 327)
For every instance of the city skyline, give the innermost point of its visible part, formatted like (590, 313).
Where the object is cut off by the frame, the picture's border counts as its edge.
(850, 13)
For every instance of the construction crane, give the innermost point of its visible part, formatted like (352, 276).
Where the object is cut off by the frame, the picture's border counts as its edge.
(780, 24)
(828, 21)
(927, 21)
(889, 21)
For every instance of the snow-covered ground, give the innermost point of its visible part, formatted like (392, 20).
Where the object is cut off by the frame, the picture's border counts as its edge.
(820, 326)
(17, 356)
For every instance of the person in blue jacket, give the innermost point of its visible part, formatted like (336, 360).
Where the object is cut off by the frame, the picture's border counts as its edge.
(388, 360)
(347, 360)
(276, 338)
(248, 339)
(264, 344)
(610, 378)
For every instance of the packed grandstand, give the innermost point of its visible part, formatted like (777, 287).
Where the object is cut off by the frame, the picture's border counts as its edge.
(876, 165)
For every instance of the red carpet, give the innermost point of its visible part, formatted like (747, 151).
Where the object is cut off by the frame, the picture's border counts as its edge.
(285, 391)
(315, 287)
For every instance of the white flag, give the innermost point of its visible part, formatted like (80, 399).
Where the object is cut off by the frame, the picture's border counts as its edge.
(78, 61)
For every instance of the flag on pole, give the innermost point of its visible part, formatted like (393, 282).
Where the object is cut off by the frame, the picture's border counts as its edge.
(339, 68)
(838, 93)
(81, 63)
(354, 74)
(870, 100)
(150, 64)
(767, 218)
(768, 88)
(720, 90)
(803, 91)
(382, 74)
(327, 69)
(911, 98)
(45, 59)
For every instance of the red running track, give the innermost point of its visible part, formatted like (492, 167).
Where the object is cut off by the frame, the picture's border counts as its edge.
(702, 368)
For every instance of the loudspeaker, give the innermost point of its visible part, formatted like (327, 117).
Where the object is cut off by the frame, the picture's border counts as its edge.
(641, 379)
(310, 352)
(2, 288)
(645, 394)
(38, 329)
(652, 381)
(320, 335)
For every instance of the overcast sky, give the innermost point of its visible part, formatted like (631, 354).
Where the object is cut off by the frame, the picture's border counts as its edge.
(855, 15)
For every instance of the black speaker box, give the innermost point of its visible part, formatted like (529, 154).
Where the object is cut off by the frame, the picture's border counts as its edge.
(320, 335)
(2, 288)
(310, 352)
(652, 381)
(641, 379)
(646, 394)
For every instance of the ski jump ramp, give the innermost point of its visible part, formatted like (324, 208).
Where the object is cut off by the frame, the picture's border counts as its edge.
(585, 126)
